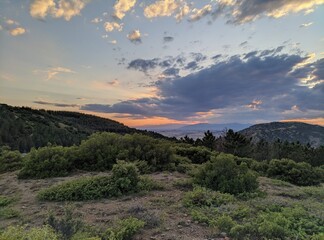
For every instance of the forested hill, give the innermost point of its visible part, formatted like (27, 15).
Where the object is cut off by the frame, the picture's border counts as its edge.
(23, 128)
(286, 131)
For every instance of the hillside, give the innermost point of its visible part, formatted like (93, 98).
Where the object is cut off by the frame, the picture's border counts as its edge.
(22, 128)
(287, 131)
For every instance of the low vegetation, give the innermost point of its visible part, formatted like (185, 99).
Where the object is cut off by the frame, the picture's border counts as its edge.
(124, 180)
(222, 174)
(216, 193)
(100, 152)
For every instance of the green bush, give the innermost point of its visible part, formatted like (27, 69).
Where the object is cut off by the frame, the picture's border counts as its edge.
(101, 150)
(24, 233)
(225, 223)
(195, 154)
(224, 175)
(67, 226)
(9, 160)
(279, 223)
(302, 174)
(125, 229)
(124, 180)
(147, 184)
(98, 153)
(202, 197)
(50, 161)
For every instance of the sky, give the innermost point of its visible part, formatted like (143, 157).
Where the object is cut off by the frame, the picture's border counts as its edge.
(158, 62)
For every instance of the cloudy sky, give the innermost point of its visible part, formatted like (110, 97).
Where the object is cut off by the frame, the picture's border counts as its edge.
(146, 62)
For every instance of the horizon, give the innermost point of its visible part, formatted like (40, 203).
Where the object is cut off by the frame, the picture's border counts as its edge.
(177, 126)
(173, 62)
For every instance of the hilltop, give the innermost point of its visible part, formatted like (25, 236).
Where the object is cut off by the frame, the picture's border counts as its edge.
(286, 131)
(22, 128)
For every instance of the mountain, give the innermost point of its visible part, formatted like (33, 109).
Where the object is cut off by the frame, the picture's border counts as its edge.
(287, 131)
(195, 130)
(217, 127)
(23, 128)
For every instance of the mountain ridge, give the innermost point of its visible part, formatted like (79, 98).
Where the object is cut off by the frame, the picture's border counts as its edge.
(286, 131)
(22, 128)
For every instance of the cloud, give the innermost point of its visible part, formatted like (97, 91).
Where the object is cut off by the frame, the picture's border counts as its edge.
(17, 31)
(183, 11)
(113, 41)
(57, 9)
(257, 85)
(12, 22)
(197, 14)
(135, 36)
(254, 104)
(123, 6)
(242, 11)
(143, 65)
(161, 8)
(243, 44)
(52, 72)
(114, 82)
(191, 65)
(306, 25)
(107, 85)
(111, 26)
(149, 66)
(165, 8)
(96, 20)
(1, 27)
(173, 72)
(167, 39)
(55, 104)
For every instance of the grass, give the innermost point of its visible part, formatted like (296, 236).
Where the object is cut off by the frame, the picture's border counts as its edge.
(6, 212)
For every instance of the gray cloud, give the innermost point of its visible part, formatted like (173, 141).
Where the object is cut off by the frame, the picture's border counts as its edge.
(180, 62)
(167, 39)
(143, 65)
(266, 78)
(174, 72)
(56, 104)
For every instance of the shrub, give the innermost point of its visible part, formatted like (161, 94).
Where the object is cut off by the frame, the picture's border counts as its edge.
(302, 173)
(23, 233)
(101, 150)
(224, 175)
(195, 154)
(125, 229)
(124, 180)
(147, 184)
(50, 161)
(9, 160)
(202, 197)
(279, 223)
(67, 226)
(78, 190)
(225, 223)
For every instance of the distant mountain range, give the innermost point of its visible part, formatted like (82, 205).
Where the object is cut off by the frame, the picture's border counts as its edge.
(194, 130)
(23, 128)
(215, 127)
(287, 131)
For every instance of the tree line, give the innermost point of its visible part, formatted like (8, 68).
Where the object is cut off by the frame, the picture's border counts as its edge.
(237, 144)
